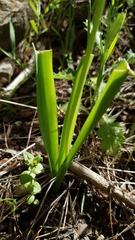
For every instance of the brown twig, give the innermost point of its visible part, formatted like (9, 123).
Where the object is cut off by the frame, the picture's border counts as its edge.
(95, 179)
(102, 184)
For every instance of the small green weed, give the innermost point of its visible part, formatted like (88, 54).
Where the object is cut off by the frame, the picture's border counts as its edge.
(39, 20)
(27, 178)
(12, 55)
(10, 202)
(111, 134)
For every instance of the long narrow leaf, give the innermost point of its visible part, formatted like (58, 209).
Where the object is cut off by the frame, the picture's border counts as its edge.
(33, 5)
(113, 34)
(114, 29)
(73, 106)
(12, 38)
(47, 108)
(71, 114)
(112, 87)
(110, 42)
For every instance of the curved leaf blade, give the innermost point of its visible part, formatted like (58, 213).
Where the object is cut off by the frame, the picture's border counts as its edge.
(47, 107)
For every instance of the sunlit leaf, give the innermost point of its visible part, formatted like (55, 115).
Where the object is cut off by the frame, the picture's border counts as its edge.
(34, 26)
(37, 169)
(30, 199)
(36, 188)
(47, 107)
(112, 135)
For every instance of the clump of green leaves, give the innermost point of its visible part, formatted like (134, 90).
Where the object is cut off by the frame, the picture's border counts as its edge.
(27, 177)
(39, 19)
(111, 134)
(130, 3)
(61, 155)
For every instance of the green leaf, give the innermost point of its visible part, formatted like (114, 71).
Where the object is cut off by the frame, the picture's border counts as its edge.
(47, 107)
(112, 135)
(113, 34)
(36, 202)
(36, 188)
(111, 89)
(74, 102)
(63, 75)
(37, 159)
(37, 169)
(25, 177)
(28, 158)
(33, 187)
(30, 199)
(7, 53)
(130, 56)
(34, 26)
(29, 186)
(12, 38)
(33, 5)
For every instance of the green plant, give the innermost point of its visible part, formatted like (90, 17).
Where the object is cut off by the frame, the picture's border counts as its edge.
(13, 45)
(39, 24)
(130, 3)
(10, 202)
(111, 134)
(27, 178)
(60, 156)
(39, 20)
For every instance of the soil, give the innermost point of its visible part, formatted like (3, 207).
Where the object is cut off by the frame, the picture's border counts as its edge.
(79, 210)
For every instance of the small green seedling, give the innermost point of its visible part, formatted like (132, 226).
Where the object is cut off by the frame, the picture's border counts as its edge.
(12, 55)
(111, 135)
(27, 177)
(10, 202)
(39, 19)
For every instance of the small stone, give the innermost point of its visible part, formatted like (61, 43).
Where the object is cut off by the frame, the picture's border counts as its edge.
(6, 70)
(82, 229)
(101, 237)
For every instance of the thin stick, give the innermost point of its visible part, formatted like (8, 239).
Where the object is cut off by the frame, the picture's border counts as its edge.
(30, 130)
(20, 78)
(18, 154)
(102, 184)
(18, 104)
(123, 231)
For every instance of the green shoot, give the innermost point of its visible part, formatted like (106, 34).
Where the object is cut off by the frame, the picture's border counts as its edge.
(12, 38)
(47, 101)
(27, 178)
(10, 202)
(36, 8)
(60, 156)
(12, 55)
